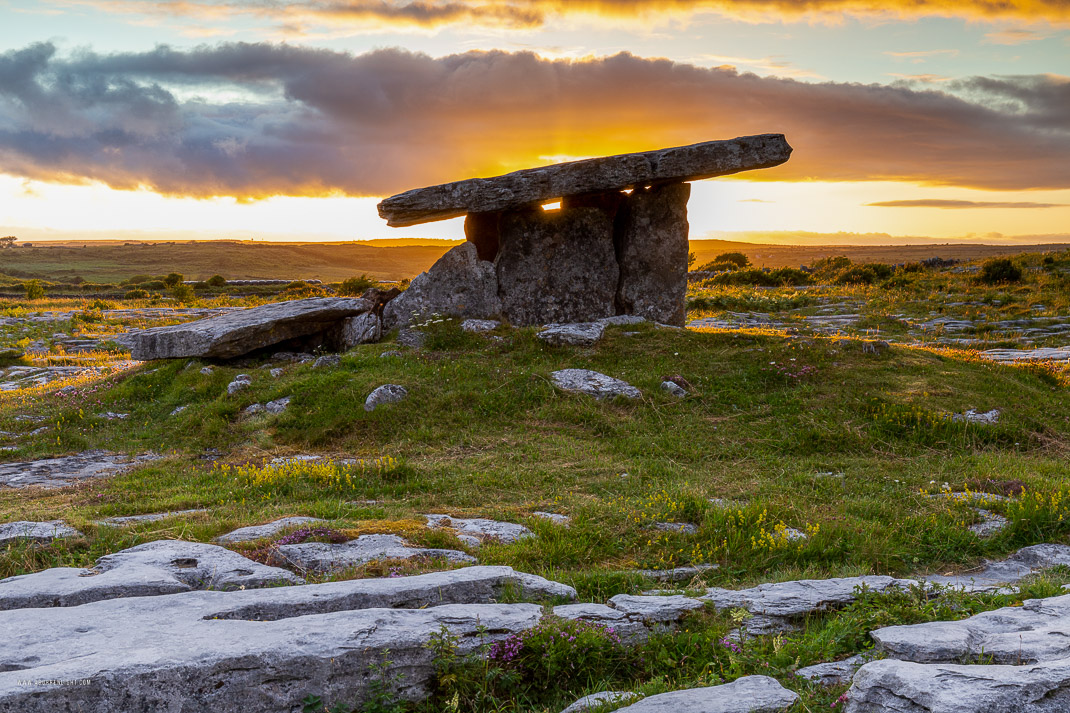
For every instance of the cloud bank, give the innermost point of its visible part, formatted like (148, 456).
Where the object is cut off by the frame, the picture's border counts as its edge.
(254, 120)
(938, 203)
(363, 15)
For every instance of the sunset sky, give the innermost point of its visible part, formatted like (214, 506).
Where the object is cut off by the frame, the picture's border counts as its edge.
(180, 119)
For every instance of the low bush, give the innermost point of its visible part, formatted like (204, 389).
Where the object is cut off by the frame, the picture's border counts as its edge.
(172, 279)
(216, 281)
(1000, 270)
(355, 286)
(136, 295)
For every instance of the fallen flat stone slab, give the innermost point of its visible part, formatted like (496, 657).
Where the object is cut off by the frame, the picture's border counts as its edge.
(800, 597)
(236, 333)
(890, 686)
(592, 383)
(749, 694)
(188, 651)
(36, 531)
(67, 470)
(995, 575)
(152, 569)
(150, 517)
(257, 532)
(596, 700)
(598, 175)
(1039, 630)
(324, 557)
(481, 528)
(657, 609)
(576, 334)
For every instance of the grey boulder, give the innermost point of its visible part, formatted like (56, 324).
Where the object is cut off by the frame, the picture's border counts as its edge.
(385, 394)
(458, 284)
(365, 328)
(592, 383)
(750, 694)
(151, 569)
(242, 331)
(891, 686)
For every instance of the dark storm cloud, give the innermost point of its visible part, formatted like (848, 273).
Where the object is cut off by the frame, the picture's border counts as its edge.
(253, 120)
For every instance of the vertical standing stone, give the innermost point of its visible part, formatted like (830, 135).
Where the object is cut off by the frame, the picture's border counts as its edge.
(458, 284)
(557, 266)
(652, 250)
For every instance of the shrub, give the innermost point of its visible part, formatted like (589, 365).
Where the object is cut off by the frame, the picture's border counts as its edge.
(137, 280)
(137, 295)
(152, 285)
(999, 270)
(719, 267)
(762, 278)
(34, 289)
(217, 281)
(172, 279)
(738, 259)
(300, 288)
(828, 267)
(865, 274)
(182, 293)
(356, 285)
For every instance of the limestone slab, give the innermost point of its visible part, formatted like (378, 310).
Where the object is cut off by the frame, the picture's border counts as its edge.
(655, 608)
(324, 557)
(256, 532)
(36, 531)
(800, 597)
(576, 334)
(598, 175)
(994, 575)
(749, 694)
(596, 700)
(481, 528)
(67, 470)
(593, 383)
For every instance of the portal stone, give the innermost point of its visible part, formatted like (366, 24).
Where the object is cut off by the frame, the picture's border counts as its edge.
(557, 266)
(652, 251)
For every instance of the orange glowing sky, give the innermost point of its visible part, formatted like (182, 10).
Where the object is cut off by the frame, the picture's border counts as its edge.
(240, 118)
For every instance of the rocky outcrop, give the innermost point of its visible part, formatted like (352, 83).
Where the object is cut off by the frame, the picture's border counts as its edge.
(749, 694)
(67, 470)
(995, 575)
(1039, 630)
(557, 266)
(599, 175)
(458, 284)
(891, 686)
(652, 248)
(236, 333)
(148, 570)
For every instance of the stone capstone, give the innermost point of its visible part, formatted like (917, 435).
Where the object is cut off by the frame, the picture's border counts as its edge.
(577, 334)
(557, 266)
(576, 178)
(592, 383)
(36, 531)
(148, 570)
(890, 686)
(749, 694)
(1039, 630)
(257, 532)
(459, 284)
(324, 557)
(67, 470)
(385, 394)
(651, 235)
(236, 333)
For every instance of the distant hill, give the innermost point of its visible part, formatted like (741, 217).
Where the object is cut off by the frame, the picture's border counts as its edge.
(112, 261)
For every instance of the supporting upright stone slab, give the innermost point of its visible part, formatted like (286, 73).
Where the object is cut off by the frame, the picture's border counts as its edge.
(652, 247)
(458, 284)
(557, 266)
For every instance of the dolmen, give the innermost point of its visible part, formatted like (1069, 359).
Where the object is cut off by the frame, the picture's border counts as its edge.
(617, 245)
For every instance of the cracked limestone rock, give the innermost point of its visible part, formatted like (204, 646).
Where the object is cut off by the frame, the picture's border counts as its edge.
(324, 557)
(480, 528)
(385, 394)
(592, 383)
(256, 532)
(749, 694)
(36, 531)
(459, 284)
(576, 334)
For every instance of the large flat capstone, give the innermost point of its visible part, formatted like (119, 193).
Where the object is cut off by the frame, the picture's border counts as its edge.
(597, 175)
(236, 333)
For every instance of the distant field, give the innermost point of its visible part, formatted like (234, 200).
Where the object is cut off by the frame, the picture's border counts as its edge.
(104, 261)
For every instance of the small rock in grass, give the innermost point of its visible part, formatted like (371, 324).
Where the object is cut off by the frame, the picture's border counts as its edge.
(877, 346)
(833, 673)
(110, 416)
(596, 700)
(390, 353)
(36, 531)
(674, 389)
(677, 574)
(578, 334)
(990, 524)
(278, 405)
(241, 381)
(411, 338)
(478, 326)
(385, 394)
(622, 319)
(480, 528)
(988, 418)
(256, 532)
(253, 409)
(206, 370)
(553, 517)
(327, 360)
(151, 517)
(594, 384)
(685, 528)
(276, 372)
(178, 410)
